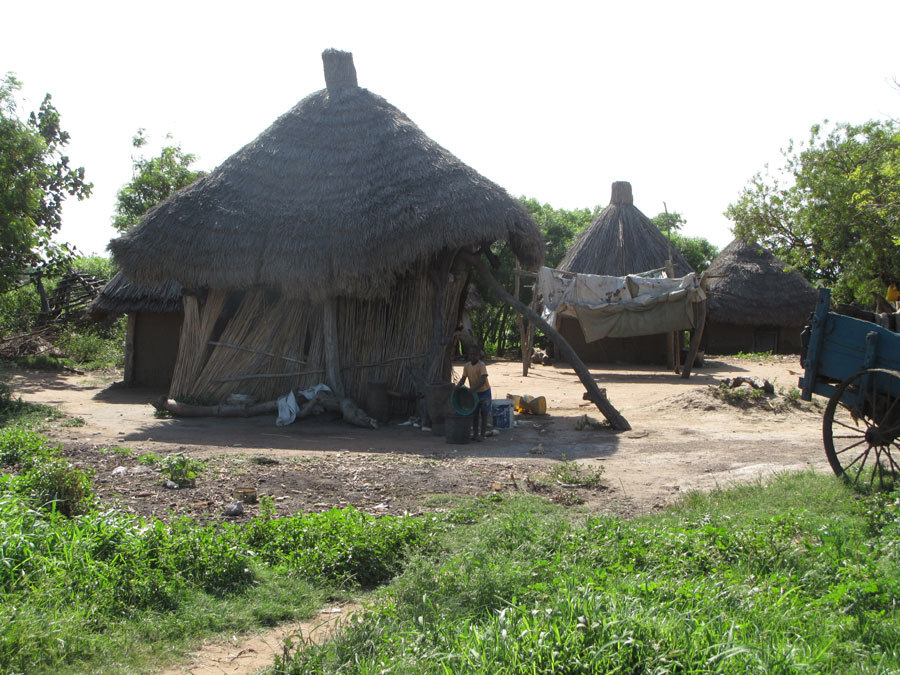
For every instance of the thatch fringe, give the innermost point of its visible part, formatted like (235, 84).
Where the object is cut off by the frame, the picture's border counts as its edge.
(120, 296)
(621, 240)
(748, 286)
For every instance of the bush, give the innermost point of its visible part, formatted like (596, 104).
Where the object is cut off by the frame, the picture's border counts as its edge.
(54, 485)
(92, 347)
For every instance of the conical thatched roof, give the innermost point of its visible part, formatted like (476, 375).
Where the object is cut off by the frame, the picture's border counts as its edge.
(120, 296)
(747, 285)
(621, 240)
(341, 194)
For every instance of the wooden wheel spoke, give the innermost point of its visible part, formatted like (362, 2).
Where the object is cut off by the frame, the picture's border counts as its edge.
(850, 447)
(862, 465)
(891, 459)
(849, 435)
(847, 426)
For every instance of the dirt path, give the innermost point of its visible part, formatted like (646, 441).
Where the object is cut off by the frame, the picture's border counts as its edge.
(682, 439)
(249, 654)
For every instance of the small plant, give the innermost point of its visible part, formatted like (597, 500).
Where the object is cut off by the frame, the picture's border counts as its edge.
(148, 459)
(180, 469)
(73, 422)
(56, 486)
(754, 356)
(572, 473)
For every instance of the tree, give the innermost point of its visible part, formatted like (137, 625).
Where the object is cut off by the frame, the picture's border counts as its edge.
(833, 210)
(699, 252)
(495, 324)
(35, 179)
(153, 180)
(667, 222)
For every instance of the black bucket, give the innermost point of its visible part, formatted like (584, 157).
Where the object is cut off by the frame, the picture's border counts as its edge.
(458, 428)
(378, 405)
(437, 399)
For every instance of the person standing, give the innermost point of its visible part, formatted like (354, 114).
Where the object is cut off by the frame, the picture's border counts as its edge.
(475, 372)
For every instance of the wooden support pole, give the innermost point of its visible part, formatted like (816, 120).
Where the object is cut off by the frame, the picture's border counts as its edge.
(593, 391)
(332, 349)
(696, 336)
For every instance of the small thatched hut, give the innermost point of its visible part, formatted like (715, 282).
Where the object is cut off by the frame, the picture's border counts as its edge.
(620, 241)
(753, 303)
(326, 249)
(154, 325)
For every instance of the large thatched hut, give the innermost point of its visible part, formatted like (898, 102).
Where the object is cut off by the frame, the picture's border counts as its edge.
(620, 241)
(328, 249)
(754, 304)
(154, 326)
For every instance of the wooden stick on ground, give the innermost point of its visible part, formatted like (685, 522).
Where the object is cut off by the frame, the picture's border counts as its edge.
(594, 394)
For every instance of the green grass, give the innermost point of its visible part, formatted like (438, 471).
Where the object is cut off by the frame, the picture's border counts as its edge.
(797, 575)
(16, 412)
(84, 589)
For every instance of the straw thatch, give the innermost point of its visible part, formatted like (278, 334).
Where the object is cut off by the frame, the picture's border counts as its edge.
(326, 249)
(339, 197)
(121, 296)
(621, 240)
(748, 286)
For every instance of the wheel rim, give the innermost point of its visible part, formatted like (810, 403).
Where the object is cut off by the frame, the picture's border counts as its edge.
(861, 428)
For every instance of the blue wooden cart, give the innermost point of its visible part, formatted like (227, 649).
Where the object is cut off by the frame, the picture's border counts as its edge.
(856, 364)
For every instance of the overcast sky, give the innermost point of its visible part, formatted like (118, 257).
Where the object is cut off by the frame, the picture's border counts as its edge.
(686, 100)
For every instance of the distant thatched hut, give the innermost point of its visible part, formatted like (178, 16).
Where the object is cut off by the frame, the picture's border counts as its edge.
(753, 303)
(620, 241)
(326, 249)
(154, 325)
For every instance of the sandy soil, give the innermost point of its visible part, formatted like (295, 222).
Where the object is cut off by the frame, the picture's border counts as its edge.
(682, 439)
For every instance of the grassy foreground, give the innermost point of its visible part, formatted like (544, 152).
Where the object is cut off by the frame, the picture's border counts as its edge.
(801, 575)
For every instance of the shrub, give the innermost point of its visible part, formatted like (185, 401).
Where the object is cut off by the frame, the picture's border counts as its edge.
(91, 347)
(55, 485)
(180, 469)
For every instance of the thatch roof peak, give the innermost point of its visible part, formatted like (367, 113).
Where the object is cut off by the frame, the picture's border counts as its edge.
(621, 193)
(621, 240)
(748, 285)
(341, 195)
(340, 73)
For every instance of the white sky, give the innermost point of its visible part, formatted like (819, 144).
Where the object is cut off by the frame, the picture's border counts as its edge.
(552, 100)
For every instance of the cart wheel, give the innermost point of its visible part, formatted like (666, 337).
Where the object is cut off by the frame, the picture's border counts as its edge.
(861, 428)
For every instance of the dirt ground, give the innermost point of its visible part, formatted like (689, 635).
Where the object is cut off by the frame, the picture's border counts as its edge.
(682, 439)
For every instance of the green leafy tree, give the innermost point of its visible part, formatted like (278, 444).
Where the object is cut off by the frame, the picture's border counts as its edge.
(496, 324)
(833, 210)
(153, 180)
(699, 252)
(667, 222)
(35, 179)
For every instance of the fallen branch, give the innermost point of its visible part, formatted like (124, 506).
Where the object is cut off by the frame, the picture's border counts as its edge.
(350, 412)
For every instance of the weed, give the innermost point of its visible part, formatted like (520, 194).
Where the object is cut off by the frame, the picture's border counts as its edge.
(572, 473)
(180, 469)
(73, 422)
(149, 459)
(54, 485)
(18, 445)
(755, 356)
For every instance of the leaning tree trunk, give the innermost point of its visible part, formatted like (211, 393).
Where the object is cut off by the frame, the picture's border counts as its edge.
(593, 391)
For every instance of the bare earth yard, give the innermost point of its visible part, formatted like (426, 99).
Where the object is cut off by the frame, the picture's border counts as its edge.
(682, 439)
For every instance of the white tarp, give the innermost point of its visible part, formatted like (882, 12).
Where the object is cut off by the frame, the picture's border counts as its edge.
(639, 304)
